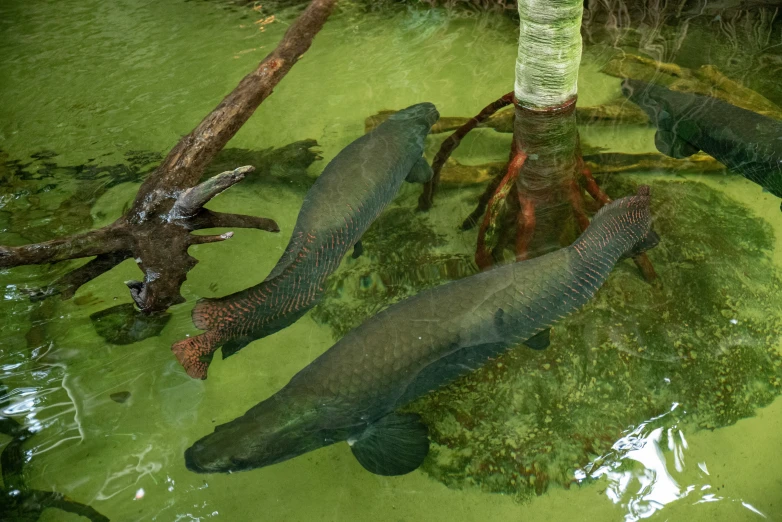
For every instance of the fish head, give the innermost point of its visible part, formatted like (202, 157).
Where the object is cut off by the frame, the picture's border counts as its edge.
(655, 101)
(420, 116)
(267, 434)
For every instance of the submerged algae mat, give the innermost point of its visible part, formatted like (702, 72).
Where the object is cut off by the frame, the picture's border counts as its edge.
(702, 337)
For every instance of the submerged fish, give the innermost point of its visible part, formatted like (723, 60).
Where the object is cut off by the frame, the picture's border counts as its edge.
(352, 391)
(339, 207)
(744, 141)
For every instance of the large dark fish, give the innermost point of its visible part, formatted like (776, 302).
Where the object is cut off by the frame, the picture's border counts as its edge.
(339, 207)
(744, 141)
(351, 392)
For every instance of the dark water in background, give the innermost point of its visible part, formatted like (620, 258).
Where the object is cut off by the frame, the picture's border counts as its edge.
(662, 400)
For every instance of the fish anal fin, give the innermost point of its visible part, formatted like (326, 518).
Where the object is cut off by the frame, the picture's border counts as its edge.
(539, 341)
(358, 249)
(394, 445)
(670, 144)
(420, 173)
(234, 345)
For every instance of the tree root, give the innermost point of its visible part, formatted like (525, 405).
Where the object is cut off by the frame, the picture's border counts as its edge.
(155, 231)
(451, 142)
(531, 186)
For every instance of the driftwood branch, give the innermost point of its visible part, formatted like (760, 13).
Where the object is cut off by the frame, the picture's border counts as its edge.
(183, 166)
(191, 200)
(156, 231)
(209, 219)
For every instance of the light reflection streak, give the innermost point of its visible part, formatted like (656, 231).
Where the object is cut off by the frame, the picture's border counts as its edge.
(637, 470)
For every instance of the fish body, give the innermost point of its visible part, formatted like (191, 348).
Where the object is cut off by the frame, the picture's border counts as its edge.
(744, 141)
(352, 391)
(339, 207)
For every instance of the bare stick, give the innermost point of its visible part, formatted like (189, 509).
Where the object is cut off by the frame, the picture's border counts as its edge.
(192, 199)
(451, 142)
(202, 240)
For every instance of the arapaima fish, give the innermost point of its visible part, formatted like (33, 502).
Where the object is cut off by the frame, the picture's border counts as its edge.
(347, 197)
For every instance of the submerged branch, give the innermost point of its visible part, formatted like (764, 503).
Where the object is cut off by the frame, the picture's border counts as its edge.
(191, 200)
(67, 285)
(185, 164)
(105, 240)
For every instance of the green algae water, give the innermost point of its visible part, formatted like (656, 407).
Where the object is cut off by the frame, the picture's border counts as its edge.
(654, 401)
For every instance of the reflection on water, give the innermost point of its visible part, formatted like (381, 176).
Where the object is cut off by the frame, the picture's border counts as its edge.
(638, 473)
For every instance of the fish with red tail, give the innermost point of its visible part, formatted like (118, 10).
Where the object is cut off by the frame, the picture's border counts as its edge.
(354, 392)
(347, 197)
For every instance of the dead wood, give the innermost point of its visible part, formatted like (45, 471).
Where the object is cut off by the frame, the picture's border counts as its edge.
(156, 230)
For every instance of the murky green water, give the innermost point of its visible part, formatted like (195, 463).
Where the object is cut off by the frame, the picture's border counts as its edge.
(651, 402)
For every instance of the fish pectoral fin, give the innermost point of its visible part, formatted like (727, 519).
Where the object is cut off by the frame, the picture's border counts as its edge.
(394, 445)
(672, 145)
(539, 341)
(420, 173)
(358, 249)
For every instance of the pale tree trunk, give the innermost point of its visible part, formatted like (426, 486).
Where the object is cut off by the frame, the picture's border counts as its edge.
(545, 131)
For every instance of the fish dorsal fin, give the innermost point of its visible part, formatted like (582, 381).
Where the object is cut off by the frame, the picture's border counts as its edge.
(420, 173)
(394, 445)
(539, 341)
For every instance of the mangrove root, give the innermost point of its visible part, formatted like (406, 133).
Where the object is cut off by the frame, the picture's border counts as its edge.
(156, 230)
(451, 142)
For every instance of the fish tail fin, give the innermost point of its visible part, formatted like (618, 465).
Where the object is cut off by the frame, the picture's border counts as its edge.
(195, 353)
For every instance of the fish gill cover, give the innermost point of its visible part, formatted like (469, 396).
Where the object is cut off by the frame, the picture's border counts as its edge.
(702, 337)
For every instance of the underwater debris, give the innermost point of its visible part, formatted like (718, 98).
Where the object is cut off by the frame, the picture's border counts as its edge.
(120, 397)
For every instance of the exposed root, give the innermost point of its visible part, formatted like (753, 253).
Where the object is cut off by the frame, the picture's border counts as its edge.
(483, 254)
(451, 142)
